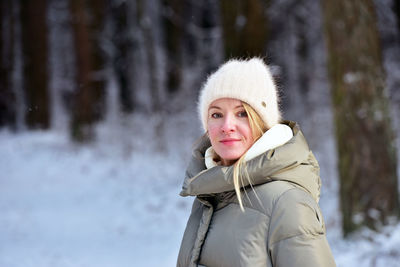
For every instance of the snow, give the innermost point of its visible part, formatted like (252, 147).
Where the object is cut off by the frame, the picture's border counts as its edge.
(115, 202)
(368, 248)
(92, 205)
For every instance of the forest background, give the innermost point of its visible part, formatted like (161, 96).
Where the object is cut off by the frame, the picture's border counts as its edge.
(98, 116)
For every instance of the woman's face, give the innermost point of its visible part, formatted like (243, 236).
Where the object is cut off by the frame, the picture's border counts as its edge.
(229, 130)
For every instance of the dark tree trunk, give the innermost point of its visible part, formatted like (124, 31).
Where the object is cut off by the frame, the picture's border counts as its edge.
(201, 41)
(244, 28)
(35, 57)
(173, 31)
(123, 61)
(87, 22)
(396, 7)
(7, 96)
(367, 156)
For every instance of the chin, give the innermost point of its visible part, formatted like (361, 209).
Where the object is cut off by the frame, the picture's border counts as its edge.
(231, 157)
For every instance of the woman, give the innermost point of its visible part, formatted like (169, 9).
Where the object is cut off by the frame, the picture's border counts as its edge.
(256, 182)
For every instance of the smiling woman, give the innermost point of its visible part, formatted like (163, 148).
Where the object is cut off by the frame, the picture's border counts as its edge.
(232, 130)
(229, 129)
(255, 180)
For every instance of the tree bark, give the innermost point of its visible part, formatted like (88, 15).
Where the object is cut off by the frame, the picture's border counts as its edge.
(244, 28)
(366, 149)
(87, 23)
(122, 61)
(35, 57)
(173, 31)
(396, 8)
(146, 25)
(7, 96)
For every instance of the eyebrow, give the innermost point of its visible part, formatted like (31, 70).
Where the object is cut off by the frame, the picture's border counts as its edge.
(239, 106)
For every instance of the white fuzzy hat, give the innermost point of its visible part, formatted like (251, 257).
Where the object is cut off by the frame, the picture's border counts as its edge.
(247, 80)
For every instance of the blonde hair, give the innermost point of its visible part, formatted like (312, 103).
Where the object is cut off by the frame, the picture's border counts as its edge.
(258, 128)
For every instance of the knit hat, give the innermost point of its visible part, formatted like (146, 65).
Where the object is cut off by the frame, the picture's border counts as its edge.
(247, 80)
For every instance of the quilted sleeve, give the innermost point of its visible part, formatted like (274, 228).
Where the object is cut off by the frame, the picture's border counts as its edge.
(296, 236)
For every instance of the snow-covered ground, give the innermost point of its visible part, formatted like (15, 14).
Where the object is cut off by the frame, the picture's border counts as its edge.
(115, 202)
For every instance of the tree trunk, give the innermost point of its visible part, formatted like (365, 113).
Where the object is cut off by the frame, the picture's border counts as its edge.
(396, 8)
(35, 57)
(244, 28)
(367, 156)
(122, 61)
(144, 10)
(173, 31)
(87, 23)
(7, 96)
(146, 26)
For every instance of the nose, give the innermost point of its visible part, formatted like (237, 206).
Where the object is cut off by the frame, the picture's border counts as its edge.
(228, 124)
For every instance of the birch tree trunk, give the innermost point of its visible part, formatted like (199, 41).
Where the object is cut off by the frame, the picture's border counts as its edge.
(146, 25)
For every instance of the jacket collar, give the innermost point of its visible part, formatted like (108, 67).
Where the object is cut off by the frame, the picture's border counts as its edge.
(268, 166)
(274, 137)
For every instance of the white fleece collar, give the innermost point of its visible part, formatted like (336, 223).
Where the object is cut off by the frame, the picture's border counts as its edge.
(274, 137)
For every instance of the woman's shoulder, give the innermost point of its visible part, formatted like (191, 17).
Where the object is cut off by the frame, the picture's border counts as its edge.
(290, 209)
(277, 195)
(270, 192)
(293, 212)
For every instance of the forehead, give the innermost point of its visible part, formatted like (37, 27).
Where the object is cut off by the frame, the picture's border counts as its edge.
(226, 103)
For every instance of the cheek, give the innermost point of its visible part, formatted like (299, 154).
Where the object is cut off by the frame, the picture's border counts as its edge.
(246, 131)
(249, 135)
(212, 132)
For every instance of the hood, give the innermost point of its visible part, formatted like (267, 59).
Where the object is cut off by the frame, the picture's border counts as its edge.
(278, 135)
(293, 162)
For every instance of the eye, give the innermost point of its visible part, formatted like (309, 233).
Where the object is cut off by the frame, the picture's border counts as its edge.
(242, 114)
(216, 115)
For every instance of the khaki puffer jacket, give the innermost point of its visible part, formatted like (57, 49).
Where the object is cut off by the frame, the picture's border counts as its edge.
(282, 225)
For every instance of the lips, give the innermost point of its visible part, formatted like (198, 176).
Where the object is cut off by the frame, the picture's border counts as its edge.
(229, 141)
